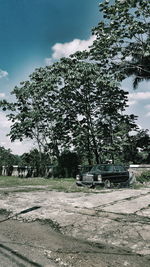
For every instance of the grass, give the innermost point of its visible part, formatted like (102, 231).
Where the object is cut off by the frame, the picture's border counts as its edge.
(144, 177)
(10, 181)
(16, 184)
(137, 186)
(23, 184)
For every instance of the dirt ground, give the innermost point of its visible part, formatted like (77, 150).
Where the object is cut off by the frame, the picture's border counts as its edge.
(101, 228)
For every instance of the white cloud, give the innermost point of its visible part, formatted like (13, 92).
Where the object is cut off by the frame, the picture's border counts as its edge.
(134, 98)
(148, 114)
(147, 106)
(2, 95)
(16, 147)
(3, 73)
(132, 102)
(65, 49)
(48, 61)
(4, 122)
(139, 95)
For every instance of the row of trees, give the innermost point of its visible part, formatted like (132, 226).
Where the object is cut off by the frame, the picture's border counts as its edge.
(77, 103)
(67, 166)
(68, 163)
(7, 158)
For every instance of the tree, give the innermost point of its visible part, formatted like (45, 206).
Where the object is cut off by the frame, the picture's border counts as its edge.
(122, 45)
(8, 159)
(34, 113)
(71, 104)
(36, 161)
(137, 148)
(139, 67)
(143, 145)
(78, 102)
(68, 163)
(89, 97)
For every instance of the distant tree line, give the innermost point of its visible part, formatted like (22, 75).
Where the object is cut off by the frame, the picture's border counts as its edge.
(136, 152)
(67, 166)
(8, 159)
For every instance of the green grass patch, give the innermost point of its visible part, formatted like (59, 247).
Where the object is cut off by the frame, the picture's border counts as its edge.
(144, 177)
(137, 186)
(11, 181)
(68, 185)
(30, 184)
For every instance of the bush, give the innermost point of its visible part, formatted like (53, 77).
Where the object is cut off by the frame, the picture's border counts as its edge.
(68, 164)
(144, 177)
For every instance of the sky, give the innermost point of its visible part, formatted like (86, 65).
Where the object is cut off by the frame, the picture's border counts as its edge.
(34, 33)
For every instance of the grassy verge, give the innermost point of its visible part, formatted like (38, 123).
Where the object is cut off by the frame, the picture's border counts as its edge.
(144, 177)
(16, 184)
(11, 181)
(30, 184)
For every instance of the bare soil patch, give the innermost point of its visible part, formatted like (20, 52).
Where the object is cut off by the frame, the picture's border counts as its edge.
(38, 244)
(100, 228)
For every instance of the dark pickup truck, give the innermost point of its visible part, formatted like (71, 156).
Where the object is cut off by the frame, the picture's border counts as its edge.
(106, 175)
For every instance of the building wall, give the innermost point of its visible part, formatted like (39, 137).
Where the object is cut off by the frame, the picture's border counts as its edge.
(137, 169)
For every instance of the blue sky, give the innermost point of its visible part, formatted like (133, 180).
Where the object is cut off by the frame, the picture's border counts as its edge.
(36, 32)
(29, 29)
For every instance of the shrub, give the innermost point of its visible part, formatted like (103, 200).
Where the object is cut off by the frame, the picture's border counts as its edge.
(144, 177)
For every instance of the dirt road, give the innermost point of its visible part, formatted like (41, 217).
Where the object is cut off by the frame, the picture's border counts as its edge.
(106, 228)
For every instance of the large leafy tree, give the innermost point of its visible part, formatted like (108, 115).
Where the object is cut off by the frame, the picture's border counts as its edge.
(71, 104)
(34, 114)
(92, 105)
(122, 45)
(77, 103)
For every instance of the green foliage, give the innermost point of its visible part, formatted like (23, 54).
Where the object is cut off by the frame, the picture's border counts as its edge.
(144, 177)
(71, 104)
(8, 159)
(93, 110)
(123, 39)
(37, 161)
(77, 103)
(68, 163)
(137, 149)
(11, 181)
(22, 184)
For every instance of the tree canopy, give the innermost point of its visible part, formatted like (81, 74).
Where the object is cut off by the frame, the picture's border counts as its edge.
(71, 105)
(77, 103)
(7, 158)
(122, 44)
